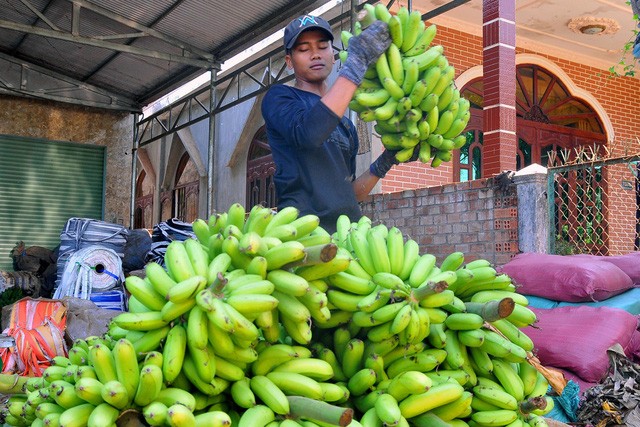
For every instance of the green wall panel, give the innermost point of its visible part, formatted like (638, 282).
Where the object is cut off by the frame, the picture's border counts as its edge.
(42, 185)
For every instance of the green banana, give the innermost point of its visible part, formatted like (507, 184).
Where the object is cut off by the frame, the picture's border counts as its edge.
(126, 363)
(270, 394)
(149, 385)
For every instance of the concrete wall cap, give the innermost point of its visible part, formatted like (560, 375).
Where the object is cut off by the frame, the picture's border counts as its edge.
(532, 169)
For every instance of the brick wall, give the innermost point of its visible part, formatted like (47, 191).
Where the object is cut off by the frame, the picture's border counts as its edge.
(472, 217)
(618, 96)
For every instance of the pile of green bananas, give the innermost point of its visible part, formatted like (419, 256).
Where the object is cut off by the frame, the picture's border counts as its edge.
(268, 320)
(409, 91)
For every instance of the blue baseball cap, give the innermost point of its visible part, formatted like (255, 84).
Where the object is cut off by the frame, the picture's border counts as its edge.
(303, 23)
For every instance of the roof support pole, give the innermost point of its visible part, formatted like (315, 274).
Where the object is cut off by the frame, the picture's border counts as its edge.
(134, 171)
(212, 180)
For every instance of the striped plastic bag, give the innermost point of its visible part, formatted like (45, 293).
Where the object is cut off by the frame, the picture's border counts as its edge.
(37, 326)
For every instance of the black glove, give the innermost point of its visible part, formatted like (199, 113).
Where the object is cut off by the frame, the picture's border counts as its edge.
(383, 163)
(364, 49)
(387, 160)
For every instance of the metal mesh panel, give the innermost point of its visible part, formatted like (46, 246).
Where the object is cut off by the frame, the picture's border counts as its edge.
(593, 204)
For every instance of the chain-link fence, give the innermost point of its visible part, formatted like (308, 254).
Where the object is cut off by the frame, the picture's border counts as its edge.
(593, 204)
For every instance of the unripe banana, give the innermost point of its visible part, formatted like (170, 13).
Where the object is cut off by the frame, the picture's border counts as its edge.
(287, 282)
(171, 396)
(144, 292)
(387, 409)
(115, 394)
(180, 416)
(126, 364)
(394, 59)
(409, 382)
(101, 358)
(242, 394)
(314, 368)
(258, 416)
(437, 395)
(186, 289)
(412, 30)
(498, 417)
(294, 384)
(90, 390)
(285, 253)
(270, 394)
(421, 269)
(508, 378)
(140, 321)
(213, 419)
(464, 321)
(382, 13)
(173, 352)
(198, 256)
(76, 416)
(423, 42)
(155, 413)
(362, 381)
(103, 415)
(427, 58)
(177, 261)
(149, 385)
(460, 408)
(395, 30)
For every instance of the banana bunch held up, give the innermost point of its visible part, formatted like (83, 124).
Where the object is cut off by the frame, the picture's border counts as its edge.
(409, 92)
(267, 320)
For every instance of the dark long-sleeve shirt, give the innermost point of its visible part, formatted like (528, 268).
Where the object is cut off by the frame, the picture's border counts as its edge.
(315, 155)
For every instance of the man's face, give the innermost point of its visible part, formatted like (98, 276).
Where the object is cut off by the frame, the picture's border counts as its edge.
(311, 57)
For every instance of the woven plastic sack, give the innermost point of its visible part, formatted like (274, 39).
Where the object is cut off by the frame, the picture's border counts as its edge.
(566, 278)
(37, 326)
(577, 338)
(79, 233)
(629, 263)
(91, 269)
(163, 234)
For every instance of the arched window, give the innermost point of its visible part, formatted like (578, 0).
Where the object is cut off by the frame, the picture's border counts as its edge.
(143, 214)
(260, 170)
(186, 190)
(549, 119)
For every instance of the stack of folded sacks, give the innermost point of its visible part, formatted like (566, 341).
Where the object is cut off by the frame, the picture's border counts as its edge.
(585, 304)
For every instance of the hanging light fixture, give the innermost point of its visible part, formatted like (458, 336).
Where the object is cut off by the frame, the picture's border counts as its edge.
(591, 25)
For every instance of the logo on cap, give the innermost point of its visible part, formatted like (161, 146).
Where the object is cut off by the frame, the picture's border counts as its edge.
(306, 20)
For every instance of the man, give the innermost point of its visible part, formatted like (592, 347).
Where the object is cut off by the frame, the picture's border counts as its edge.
(314, 146)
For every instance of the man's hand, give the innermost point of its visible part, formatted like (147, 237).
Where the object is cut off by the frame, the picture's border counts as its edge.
(364, 49)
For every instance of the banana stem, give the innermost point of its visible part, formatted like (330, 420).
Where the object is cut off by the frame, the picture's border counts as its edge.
(318, 410)
(429, 288)
(219, 283)
(316, 254)
(491, 310)
(533, 403)
(12, 384)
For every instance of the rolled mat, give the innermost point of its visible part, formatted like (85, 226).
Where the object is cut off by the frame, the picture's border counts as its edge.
(89, 270)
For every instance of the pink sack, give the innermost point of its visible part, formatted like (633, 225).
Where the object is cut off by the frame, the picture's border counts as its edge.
(577, 338)
(566, 278)
(629, 263)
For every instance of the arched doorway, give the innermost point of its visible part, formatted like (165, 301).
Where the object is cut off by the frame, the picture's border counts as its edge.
(552, 126)
(260, 171)
(186, 190)
(143, 214)
(549, 119)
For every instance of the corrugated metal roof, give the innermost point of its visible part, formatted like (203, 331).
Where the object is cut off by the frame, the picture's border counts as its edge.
(102, 50)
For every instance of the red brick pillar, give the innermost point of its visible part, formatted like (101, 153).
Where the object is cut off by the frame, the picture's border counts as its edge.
(499, 67)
